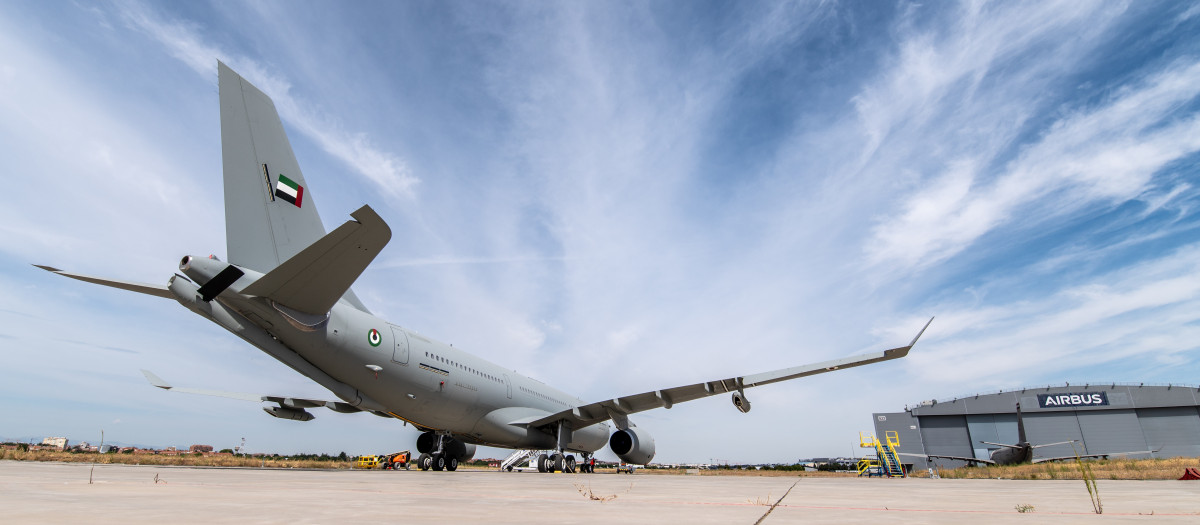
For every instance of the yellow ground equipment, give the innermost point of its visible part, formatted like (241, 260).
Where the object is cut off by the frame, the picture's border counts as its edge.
(886, 462)
(394, 461)
(368, 461)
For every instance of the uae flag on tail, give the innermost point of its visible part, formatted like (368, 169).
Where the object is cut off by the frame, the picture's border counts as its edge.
(288, 190)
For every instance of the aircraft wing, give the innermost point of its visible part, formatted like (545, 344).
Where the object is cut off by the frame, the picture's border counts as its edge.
(1052, 444)
(1081, 456)
(148, 289)
(1013, 446)
(959, 458)
(618, 408)
(284, 401)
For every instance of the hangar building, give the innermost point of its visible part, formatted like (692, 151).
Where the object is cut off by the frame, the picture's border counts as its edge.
(1102, 419)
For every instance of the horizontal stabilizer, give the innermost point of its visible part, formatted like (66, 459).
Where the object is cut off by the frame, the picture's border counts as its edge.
(316, 278)
(148, 289)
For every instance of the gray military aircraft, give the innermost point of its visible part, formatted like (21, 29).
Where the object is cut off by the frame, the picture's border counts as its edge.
(1022, 452)
(286, 290)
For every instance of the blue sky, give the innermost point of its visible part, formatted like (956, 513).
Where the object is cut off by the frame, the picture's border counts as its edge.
(616, 197)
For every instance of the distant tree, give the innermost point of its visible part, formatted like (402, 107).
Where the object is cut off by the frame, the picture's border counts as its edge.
(342, 456)
(830, 467)
(226, 451)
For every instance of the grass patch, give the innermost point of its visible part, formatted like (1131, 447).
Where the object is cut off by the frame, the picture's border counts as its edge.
(182, 459)
(1114, 469)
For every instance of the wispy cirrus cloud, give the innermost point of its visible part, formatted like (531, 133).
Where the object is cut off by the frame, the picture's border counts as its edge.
(1102, 155)
(182, 40)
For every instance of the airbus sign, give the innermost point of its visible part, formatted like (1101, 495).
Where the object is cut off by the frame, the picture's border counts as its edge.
(1073, 399)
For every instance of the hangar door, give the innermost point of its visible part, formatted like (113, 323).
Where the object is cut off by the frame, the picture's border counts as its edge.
(996, 428)
(946, 435)
(1052, 427)
(1111, 431)
(1175, 429)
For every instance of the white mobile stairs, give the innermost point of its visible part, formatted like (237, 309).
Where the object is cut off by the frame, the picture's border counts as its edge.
(516, 458)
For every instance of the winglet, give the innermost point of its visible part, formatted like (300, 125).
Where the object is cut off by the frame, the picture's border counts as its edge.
(155, 380)
(914, 341)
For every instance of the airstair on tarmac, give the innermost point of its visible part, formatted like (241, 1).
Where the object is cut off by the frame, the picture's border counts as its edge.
(516, 458)
(886, 462)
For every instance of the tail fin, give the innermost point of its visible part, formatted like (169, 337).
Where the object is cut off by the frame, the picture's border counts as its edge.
(1020, 426)
(270, 214)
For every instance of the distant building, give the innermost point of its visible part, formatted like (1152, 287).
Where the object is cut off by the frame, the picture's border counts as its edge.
(1097, 419)
(201, 448)
(59, 443)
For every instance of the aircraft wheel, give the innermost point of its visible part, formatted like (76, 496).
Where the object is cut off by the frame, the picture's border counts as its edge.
(570, 464)
(439, 462)
(542, 463)
(556, 463)
(423, 462)
(452, 464)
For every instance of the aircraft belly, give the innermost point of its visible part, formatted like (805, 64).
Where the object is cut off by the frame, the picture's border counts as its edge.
(495, 428)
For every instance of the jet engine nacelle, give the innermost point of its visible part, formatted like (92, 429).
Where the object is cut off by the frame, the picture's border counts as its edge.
(632, 445)
(295, 414)
(463, 451)
(427, 443)
(740, 401)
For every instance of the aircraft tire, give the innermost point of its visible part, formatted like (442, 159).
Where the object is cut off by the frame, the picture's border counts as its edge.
(439, 462)
(570, 464)
(423, 462)
(556, 463)
(452, 464)
(541, 463)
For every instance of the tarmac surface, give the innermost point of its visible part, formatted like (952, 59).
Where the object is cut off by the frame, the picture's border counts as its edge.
(33, 492)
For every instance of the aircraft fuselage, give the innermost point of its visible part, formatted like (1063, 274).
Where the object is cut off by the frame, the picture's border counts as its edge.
(391, 371)
(1023, 453)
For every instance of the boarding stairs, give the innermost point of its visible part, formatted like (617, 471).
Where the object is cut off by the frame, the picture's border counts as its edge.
(886, 461)
(516, 458)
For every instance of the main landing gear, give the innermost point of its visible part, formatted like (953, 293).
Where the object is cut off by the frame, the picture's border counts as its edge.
(558, 462)
(437, 461)
(440, 457)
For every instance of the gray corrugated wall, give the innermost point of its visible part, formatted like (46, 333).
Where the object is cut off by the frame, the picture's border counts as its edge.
(1175, 429)
(1052, 427)
(946, 435)
(910, 436)
(995, 428)
(1112, 431)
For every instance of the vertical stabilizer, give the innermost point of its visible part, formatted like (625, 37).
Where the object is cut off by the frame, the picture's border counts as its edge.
(1020, 427)
(270, 212)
